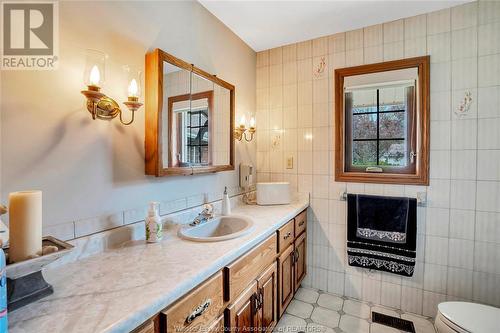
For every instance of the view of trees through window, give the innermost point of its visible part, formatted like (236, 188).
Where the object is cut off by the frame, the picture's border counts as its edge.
(379, 127)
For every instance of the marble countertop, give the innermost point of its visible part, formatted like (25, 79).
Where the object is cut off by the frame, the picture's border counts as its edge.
(117, 290)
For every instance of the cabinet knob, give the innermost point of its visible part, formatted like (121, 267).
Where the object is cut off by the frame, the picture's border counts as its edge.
(301, 223)
(287, 235)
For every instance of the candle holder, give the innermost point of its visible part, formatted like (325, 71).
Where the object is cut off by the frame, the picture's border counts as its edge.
(25, 282)
(101, 106)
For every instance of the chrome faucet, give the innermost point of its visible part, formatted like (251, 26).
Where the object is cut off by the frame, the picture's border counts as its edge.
(206, 214)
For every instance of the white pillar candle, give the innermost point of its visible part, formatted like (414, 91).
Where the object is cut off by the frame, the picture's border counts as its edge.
(25, 224)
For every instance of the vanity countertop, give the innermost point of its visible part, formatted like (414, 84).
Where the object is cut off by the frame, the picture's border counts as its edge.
(119, 289)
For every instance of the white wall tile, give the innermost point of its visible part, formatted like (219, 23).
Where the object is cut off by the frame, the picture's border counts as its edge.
(438, 22)
(441, 134)
(372, 290)
(488, 102)
(462, 224)
(430, 303)
(353, 286)
(488, 134)
(440, 164)
(97, 224)
(463, 134)
(335, 283)
(391, 295)
(393, 51)
(354, 39)
(415, 47)
(441, 76)
(262, 58)
(463, 194)
(394, 31)
(486, 257)
(436, 250)
(464, 43)
(489, 11)
(437, 222)
(461, 253)
(415, 26)
(289, 53)
(459, 282)
(463, 164)
(489, 40)
(488, 196)
(336, 43)
(489, 70)
(483, 284)
(275, 56)
(488, 227)
(411, 299)
(441, 105)
(464, 73)
(488, 165)
(439, 47)
(435, 278)
(464, 16)
(438, 193)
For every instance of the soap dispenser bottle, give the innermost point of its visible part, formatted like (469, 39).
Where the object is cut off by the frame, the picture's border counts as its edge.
(154, 226)
(226, 204)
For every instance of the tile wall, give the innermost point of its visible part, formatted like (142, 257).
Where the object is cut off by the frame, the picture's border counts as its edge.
(459, 230)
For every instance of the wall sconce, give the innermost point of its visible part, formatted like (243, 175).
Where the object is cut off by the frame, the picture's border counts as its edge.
(99, 105)
(241, 131)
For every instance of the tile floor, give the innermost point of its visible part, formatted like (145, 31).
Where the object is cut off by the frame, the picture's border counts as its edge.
(314, 311)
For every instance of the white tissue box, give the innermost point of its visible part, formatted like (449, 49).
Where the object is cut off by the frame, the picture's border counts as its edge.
(273, 193)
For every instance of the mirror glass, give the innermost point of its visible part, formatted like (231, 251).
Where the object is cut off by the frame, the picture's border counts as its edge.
(176, 92)
(197, 125)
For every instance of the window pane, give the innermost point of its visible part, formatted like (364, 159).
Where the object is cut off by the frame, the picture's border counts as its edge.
(364, 126)
(193, 137)
(364, 101)
(364, 153)
(393, 153)
(204, 154)
(393, 125)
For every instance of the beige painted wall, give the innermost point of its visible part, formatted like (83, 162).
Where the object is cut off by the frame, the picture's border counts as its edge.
(92, 168)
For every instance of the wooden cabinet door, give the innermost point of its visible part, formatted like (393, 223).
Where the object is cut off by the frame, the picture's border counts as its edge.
(217, 326)
(300, 260)
(241, 315)
(268, 306)
(285, 278)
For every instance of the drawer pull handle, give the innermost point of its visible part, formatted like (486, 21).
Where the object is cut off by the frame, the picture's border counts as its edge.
(301, 223)
(288, 234)
(198, 311)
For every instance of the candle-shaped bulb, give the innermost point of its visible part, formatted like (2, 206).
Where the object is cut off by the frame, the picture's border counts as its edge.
(95, 76)
(243, 121)
(133, 88)
(252, 122)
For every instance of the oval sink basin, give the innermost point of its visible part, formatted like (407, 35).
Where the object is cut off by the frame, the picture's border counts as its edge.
(218, 229)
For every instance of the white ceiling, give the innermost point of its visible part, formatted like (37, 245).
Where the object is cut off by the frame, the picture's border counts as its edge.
(267, 24)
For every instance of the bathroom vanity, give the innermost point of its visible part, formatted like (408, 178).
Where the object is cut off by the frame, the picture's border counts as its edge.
(129, 286)
(249, 294)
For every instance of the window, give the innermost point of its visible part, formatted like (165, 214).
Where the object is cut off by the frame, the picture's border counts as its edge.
(379, 134)
(381, 122)
(196, 145)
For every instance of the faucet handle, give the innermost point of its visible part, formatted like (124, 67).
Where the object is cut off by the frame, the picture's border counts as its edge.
(208, 209)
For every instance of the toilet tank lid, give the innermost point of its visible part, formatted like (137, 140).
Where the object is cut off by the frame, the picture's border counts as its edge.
(472, 317)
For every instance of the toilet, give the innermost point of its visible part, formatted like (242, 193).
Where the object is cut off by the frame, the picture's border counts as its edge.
(465, 317)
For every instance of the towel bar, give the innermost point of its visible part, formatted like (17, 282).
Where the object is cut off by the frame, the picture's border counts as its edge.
(421, 198)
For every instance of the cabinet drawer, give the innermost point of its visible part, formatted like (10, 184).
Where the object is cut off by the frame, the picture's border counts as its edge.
(300, 223)
(239, 274)
(198, 310)
(285, 236)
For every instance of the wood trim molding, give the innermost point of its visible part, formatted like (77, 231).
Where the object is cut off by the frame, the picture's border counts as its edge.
(153, 158)
(421, 175)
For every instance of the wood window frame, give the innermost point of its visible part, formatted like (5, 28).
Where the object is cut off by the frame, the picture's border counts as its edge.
(420, 174)
(176, 139)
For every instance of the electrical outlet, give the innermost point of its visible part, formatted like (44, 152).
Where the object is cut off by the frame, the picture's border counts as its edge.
(289, 162)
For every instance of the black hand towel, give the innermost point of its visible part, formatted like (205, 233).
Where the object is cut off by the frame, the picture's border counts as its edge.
(382, 233)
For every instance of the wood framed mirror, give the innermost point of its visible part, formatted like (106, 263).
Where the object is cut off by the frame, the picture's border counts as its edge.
(189, 118)
(382, 122)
